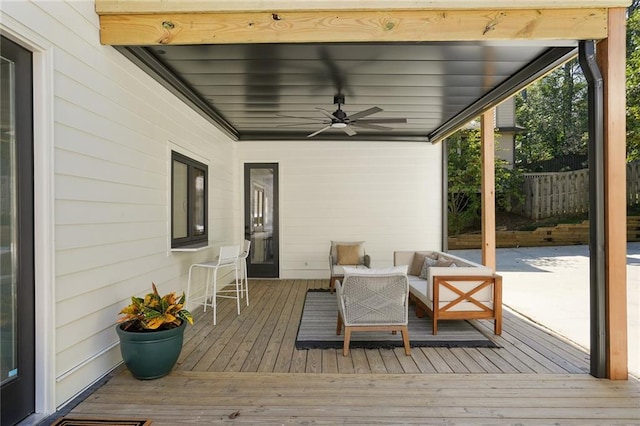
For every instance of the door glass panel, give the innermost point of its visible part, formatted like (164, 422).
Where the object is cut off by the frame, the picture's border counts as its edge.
(8, 226)
(262, 216)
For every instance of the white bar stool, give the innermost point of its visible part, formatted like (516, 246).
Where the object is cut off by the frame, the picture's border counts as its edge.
(229, 257)
(244, 279)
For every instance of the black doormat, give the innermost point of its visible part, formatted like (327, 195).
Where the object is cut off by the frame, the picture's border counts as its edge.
(78, 421)
(317, 329)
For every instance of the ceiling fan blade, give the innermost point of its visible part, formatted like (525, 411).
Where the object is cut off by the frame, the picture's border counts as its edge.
(382, 120)
(319, 131)
(371, 126)
(300, 118)
(327, 113)
(364, 113)
(301, 124)
(349, 131)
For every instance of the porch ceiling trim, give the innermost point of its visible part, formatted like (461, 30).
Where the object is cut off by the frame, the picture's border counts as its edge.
(163, 6)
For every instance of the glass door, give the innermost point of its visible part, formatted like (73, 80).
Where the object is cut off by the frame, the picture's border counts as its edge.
(17, 327)
(261, 219)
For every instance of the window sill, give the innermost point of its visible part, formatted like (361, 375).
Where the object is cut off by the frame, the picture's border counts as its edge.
(192, 248)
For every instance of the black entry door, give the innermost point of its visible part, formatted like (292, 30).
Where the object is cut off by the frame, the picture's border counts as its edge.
(17, 313)
(261, 219)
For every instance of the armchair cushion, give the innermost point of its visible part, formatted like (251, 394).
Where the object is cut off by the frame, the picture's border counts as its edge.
(334, 251)
(348, 254)
(392, 270)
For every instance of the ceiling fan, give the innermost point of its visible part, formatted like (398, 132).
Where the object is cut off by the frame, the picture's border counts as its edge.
(341, 120)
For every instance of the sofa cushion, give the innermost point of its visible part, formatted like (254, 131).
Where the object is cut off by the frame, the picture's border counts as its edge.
(418, 287)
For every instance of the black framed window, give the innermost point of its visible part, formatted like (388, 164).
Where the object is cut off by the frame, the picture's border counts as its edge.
(188, 201)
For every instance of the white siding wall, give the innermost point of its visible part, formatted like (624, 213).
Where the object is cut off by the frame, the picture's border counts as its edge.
(506, 113)
(387, 194)
(114, 128)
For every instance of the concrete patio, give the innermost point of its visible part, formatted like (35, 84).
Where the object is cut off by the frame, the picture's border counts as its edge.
(550, 285)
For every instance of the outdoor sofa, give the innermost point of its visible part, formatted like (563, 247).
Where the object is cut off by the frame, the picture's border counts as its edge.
(448, 287)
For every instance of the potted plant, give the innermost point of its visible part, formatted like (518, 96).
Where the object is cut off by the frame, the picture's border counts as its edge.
(151, 331)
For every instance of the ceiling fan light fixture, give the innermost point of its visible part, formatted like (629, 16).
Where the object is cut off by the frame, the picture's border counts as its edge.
(345, 122)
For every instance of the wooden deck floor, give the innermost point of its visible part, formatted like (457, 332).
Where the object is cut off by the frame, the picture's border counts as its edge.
(262, 339)
(246, 370)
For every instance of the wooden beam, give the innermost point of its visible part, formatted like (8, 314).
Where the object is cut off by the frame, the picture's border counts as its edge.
(352, 26)
(488, 189)
(611, 61)
(104, 7)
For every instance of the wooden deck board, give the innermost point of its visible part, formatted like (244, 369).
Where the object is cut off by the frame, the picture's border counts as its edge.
(528, 357)
(471, 363)
(270, 355)
(345, 364)
(244, 327)
(287, 348)
(330, 361)
(422, 362)
(257, 326)
(452, 361)
(367, 398)
(360, 362)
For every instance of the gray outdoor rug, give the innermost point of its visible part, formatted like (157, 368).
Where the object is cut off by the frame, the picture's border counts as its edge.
(317, 329)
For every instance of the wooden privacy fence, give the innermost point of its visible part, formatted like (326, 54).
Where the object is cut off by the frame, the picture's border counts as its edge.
(555, 194)
(633, 183)
(567, 193)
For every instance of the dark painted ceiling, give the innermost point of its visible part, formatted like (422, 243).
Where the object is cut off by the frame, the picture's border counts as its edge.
(274, 91)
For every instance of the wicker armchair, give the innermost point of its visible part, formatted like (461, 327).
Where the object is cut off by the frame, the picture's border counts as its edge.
(371, 302)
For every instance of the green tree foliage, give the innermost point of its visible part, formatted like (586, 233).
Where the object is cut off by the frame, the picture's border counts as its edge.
(464, 176)
(554, 113)
(554, 109)
(464, 171)
(633, 82)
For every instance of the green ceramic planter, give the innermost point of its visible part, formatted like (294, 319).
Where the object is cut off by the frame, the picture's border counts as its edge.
(151, 355)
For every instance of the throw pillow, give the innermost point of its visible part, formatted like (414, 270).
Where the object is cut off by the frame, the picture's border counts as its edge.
(335, 244)
(348, 255)
(428, 263)
(416, 265)
(442, 262)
